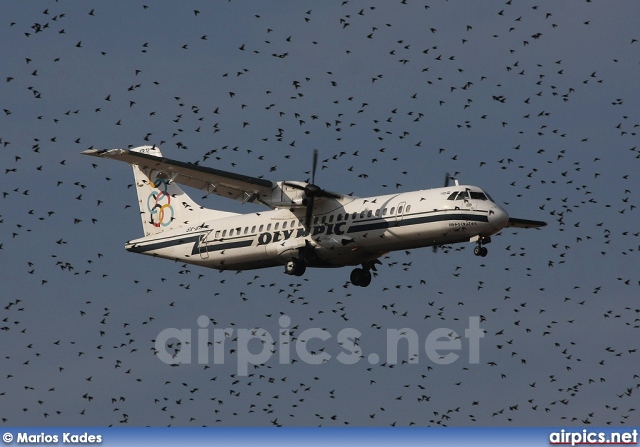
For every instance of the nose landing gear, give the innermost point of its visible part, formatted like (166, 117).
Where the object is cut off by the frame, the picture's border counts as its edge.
(479, 250)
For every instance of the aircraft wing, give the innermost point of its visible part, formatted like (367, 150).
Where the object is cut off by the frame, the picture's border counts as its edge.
(524, 223)
(214, 181)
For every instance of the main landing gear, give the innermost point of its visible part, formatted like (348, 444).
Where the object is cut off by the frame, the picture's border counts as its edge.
(295, 266)
(360, 277)
(479, 250)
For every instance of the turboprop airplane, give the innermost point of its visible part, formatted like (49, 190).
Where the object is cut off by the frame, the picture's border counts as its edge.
(307, 226)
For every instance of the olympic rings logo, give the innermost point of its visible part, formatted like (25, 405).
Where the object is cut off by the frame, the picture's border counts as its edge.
(159, 204)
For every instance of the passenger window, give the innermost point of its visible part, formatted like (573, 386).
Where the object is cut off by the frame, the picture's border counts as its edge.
(284, 224)
(339, 217)
(384, 211)
(224, 233)
(269, 227)
(378, 212)
(231, 232)
(253, 229)
(246, 230)
(315, 221)
(324, 219)
(261, 228)
(276, 226)
(217, 236)
(331, 218)
(354, 215)
(392, 210)
(408, 209)
(369, 213)
(399, 210)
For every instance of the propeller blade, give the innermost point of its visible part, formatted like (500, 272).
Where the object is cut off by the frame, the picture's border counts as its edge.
(311, 191)
(314, 165)
(447, 177)
(309, 214)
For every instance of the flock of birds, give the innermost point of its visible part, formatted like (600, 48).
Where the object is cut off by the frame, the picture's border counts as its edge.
(534, 101)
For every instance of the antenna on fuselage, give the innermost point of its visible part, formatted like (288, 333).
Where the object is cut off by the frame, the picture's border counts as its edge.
(447, 178)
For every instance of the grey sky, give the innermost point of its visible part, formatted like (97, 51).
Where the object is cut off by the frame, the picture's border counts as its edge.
(536, 102)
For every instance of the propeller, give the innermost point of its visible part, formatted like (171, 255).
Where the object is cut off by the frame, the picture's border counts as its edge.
(311, 191)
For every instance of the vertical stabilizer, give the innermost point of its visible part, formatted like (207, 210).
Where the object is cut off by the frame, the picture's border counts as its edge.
(163, 204)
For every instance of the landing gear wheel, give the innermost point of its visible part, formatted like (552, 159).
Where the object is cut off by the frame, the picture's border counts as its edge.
(365, 279)
(295, 266)
(301, 268)
(479, 250)
(360, 277)
(290, 266)
(355, 276)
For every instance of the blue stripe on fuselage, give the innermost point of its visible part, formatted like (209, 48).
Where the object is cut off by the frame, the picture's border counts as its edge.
(221, 246)
(159, 244)
(417, 220)
(355, 227)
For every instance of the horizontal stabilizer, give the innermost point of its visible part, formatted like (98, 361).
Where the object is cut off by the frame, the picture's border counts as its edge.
(524, 223)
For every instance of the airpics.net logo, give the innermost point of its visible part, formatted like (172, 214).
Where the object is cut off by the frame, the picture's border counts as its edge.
(257, 346)
(591, 437)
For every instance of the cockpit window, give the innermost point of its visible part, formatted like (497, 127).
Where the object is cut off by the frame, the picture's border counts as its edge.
(478, 195)
(458, 195)
(465, 195)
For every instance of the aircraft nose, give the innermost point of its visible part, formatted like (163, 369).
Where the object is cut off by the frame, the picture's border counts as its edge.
(499, 218)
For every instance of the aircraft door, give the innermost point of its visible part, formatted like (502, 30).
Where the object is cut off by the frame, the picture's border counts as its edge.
(202, 244)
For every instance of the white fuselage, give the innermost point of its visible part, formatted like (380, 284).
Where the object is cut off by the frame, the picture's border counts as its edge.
(347, 231)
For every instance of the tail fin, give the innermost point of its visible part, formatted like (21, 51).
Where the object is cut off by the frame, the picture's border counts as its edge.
(163, 204)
